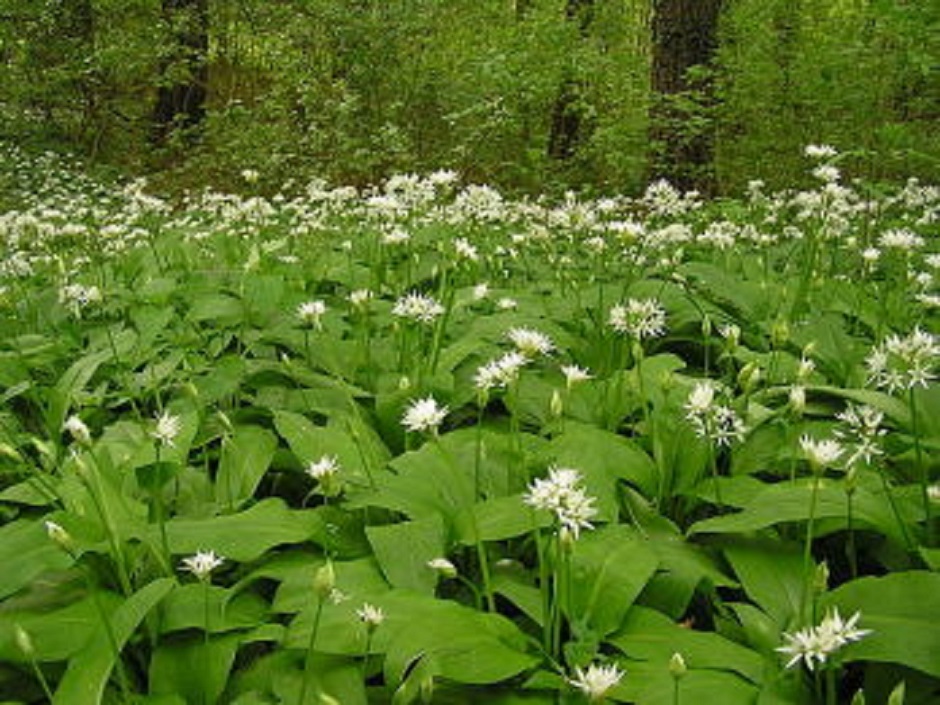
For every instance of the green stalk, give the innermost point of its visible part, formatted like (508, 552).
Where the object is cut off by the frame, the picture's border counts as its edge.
(713, 467)
(40, 676)
(308, 661)
(922, 471)
(207, 655)
(908, 542)
(101, 506)
(850, 548)
(809, 574)
(543, 589)
(831, 687)
(161, 522)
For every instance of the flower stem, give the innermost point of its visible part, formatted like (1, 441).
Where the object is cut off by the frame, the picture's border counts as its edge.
(808, 572)
(922, 471)
(308, 661)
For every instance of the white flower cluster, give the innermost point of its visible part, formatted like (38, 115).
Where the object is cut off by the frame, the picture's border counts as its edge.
(310, 313)
(718, 423)
(77, 297)
(903, 363)
(595, 681)
(820, 454)
(638, 318)
(814, 645)
(424, 415)
(202, 564)
(417, 307)
(861, 433)
(531, 343)
(561, 494)
(501, 372)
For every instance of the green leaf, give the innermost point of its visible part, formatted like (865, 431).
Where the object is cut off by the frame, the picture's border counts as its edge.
(403, 551)
(153, 476)
(603, 458)
(87, 674)
(651, 636)
(771, 573)
(194, 669)
(241, 537)
(26, 551)
(609, 568)
(246, 456)
(902, 610)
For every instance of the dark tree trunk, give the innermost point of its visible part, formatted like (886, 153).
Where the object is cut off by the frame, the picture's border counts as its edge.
(569, 121)
(685, 35)
(181, 95)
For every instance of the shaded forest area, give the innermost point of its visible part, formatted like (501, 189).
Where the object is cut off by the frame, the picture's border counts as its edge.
(528, 95)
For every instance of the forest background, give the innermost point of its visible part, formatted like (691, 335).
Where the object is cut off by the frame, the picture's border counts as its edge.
(528, 95)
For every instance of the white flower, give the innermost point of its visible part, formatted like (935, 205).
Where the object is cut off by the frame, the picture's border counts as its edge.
(77, 429)
(326, 466)
(638, 318)
(901, 239)
(417, 307)
(395, 237)
(561, 494)
(805, 369)
(202, 564)
(596, 680)
(797, 398)
(574, 374)
(820, 454)
(481, 291)
(167, 429)
(465, 250)
(310, 313)
(370, 615)
(55, 532)
(506, 304)
(500, 372)
(424, 415)
(716, 422)
(820, 151)
(826, 173)
(530, 343)
(820, 642)
(903, 363)
(862, 433)
(360, 297)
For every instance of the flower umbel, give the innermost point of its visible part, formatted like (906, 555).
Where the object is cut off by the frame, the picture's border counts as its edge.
(424, 415)
(560, 493)
(817, 644)
(639, 318)
(595, 681)
(202, 564)
(167, 429)
(904, 363)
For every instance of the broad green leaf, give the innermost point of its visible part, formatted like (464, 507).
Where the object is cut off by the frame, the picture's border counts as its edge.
(609, 568)
(56, 634)
(403, 551)
(88, 673)
(771, 573)
(603, 458)
(240, 537)
(194, 669)
(246, 456)
(650, 683)
(26, 552)
(185, 608)
(651, 636)
(902, 610)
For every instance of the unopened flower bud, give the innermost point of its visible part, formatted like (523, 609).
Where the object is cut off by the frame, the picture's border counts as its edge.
(677, 667)
(897, 695)
(797, 401)
(556, 405)
(821, 581)
(426, 689)
(324, 580)
(851, 480)
(23, 641)
(779, 334)
(444, 567)
(706, 325)
(749, 377)
(858, 698)
(60, 535)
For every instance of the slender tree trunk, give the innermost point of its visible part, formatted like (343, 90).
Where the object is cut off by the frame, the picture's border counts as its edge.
(569, 124)
(181, 95)
(685, 35)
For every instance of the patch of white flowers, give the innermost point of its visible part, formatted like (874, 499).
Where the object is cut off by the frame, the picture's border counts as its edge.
(638, 318)
(902, 363)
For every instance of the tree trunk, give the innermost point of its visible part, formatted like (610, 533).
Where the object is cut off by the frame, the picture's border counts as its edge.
(181, 95)
(568, 115)
(682, 145)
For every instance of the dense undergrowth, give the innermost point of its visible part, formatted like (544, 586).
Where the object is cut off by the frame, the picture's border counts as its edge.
(422, 442)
